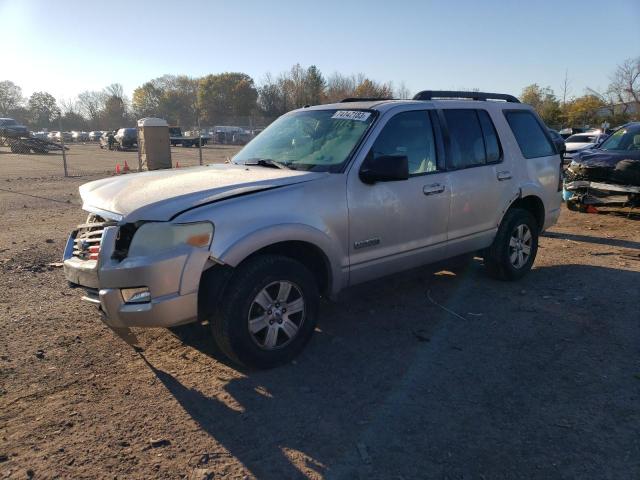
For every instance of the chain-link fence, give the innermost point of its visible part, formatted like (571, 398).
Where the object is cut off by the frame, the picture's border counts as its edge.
(30, 157)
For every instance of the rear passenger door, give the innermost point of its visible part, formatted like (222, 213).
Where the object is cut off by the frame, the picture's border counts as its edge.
(482, 180)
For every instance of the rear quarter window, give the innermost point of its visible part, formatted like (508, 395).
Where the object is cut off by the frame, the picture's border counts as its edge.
(529, 134)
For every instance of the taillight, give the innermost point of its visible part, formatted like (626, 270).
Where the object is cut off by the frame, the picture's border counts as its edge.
(93, 252)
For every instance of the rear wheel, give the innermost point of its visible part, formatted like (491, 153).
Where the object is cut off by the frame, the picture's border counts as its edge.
(515, 247)
(268, 312)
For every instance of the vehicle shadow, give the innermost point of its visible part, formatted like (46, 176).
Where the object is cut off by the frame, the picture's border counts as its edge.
(391, 373)
(612, 242)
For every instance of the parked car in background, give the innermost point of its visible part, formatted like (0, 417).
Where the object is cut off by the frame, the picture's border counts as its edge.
(66, 136)
(11, 129)
(186, 139)
(51, 136)
(582, 141)
(607, 173)
(567, 132)
(79, 136)
(126, 138)
(94, 136)
(326, 197)
(40, 135)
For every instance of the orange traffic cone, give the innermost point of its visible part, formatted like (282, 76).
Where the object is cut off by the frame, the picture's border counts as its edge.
(591, 209)
(117, 169)
(177, 164)
(126, 167)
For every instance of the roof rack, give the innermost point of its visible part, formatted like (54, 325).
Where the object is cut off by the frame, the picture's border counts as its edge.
(437, 94)
(363, 99)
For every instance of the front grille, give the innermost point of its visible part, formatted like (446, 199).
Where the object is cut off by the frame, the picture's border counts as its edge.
(88, 237)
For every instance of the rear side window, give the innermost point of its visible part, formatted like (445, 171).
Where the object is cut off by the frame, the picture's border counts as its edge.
(531, 139)
(473, 138)
(491, 142)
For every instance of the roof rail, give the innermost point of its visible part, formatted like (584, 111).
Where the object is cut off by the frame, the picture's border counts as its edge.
(437, 94)
(363, 99)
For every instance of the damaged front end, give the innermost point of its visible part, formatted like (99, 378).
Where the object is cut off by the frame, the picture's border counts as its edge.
(599, 178)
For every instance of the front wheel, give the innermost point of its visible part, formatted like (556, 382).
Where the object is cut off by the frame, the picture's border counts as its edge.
(515, 247)
(268, 312)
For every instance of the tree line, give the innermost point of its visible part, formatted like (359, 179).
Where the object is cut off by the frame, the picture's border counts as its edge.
(235, 98)
(617, 104)
(215, 99)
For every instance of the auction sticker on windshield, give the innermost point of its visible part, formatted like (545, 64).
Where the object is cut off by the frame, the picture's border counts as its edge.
(358, 115)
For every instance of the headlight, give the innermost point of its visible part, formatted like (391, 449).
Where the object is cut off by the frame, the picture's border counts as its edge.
(155, 237)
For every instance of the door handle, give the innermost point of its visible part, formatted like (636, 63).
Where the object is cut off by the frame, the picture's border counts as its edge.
(433, 189)
(504, 175)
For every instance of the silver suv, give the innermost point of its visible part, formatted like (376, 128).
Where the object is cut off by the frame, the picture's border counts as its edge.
(326, 197)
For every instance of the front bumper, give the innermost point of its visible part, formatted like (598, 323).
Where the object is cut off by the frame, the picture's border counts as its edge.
(172, 278)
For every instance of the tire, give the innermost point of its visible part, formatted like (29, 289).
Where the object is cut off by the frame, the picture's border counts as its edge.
(517, 233)
(270, 344)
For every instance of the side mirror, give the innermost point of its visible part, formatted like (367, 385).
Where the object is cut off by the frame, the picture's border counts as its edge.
(386, 168)
(560, 146)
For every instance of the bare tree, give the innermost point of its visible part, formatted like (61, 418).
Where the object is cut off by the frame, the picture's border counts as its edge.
(625, 81)
(566, 85)
(402, 92)
(90, 105)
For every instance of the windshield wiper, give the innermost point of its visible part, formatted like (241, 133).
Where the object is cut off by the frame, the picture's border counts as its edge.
(266, 162)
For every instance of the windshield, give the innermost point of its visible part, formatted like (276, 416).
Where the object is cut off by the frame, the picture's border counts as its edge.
(316, 140)
(581, 139)
(6, 122)
(623, 139)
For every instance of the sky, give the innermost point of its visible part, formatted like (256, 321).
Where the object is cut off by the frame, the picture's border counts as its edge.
(66, 46)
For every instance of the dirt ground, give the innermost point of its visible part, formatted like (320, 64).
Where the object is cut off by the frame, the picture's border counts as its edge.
(428, 374)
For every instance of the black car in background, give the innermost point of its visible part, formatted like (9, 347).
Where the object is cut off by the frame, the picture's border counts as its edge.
(607, 174)
(9, 128)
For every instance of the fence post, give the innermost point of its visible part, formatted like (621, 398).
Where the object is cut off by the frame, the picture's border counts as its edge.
(199, 141)
(64, 154)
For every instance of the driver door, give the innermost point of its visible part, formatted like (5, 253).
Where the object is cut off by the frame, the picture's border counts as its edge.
(397, 225)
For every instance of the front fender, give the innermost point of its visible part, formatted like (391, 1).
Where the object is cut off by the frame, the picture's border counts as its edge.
(233, 254)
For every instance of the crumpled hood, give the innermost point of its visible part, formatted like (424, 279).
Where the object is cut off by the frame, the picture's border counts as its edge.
(161, 194)
(603, 158)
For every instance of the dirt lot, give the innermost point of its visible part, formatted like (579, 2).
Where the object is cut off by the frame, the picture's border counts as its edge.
(428, 374)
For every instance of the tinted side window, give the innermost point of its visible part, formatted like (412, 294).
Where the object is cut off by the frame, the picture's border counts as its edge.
(410, 134)
(491, 142)
(531, 139)
(465, 134)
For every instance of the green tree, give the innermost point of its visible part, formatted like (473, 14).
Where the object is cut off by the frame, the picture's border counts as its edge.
(368, 88)
(171, 97)
(582, 111)
(544, 101)
(10, 97)
(226, 97)
(314, 86)
(43, 109)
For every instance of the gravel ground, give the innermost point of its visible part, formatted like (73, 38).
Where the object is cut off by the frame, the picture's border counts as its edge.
(428, 374)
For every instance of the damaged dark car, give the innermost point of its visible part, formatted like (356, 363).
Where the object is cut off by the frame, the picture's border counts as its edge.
(608, 174)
